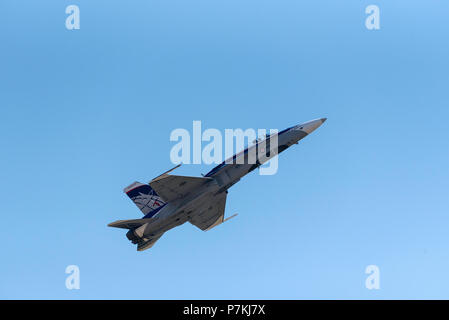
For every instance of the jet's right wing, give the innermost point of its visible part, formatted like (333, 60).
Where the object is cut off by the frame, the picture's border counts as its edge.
(211, 213)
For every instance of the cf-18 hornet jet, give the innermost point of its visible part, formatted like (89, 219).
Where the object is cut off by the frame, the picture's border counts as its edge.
(168, 200)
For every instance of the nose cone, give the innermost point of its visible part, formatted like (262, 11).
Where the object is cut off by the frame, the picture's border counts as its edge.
(310, 126)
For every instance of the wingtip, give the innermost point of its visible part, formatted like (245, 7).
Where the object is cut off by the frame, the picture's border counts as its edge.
(165, 173)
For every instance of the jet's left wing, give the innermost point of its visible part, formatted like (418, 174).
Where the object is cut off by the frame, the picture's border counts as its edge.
(211, 213)
(171, 187)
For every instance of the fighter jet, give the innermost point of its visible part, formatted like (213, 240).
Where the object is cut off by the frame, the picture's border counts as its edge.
(168, 200)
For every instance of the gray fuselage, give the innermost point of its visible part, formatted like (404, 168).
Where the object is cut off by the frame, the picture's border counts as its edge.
(222, 177)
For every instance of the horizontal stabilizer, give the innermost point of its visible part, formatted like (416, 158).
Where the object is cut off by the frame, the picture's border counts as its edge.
(128, 224)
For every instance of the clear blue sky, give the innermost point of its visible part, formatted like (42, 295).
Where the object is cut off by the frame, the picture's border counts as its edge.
(84, 113)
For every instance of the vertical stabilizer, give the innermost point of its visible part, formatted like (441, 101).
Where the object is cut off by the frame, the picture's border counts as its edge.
(145, 198)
